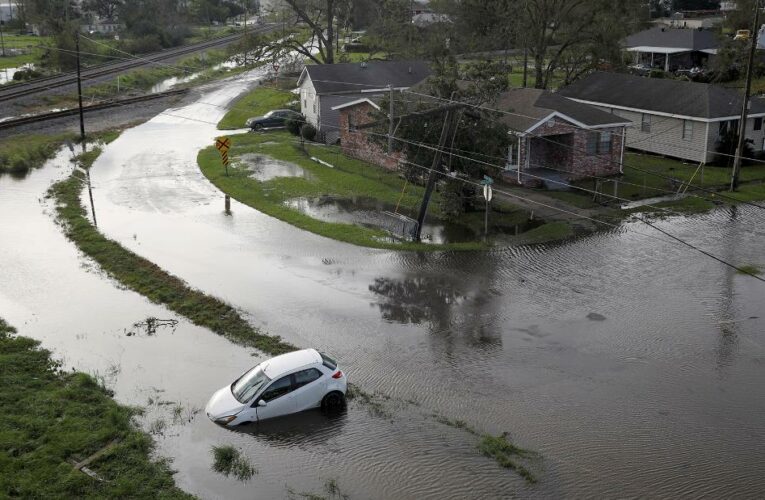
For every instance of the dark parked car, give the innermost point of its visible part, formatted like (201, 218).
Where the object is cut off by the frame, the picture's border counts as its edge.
(274, 118)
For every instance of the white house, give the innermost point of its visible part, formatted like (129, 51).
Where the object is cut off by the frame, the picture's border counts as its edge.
(326, 86)
(671, 117)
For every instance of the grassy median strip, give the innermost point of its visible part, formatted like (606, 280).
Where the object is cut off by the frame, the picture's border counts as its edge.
(49, 417)
(150, 280)
(347, 178)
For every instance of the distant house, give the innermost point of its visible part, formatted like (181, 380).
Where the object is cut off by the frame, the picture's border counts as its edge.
(324, 87)
(552, 138)
(672, 117)
(672, 48)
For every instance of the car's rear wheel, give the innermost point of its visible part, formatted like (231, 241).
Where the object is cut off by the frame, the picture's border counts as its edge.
(333, 402)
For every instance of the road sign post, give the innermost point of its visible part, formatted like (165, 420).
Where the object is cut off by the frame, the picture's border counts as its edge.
(223, 144)
(487, 195)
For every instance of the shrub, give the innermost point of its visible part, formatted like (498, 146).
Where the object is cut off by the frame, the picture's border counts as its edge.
(308, 132)
(293, 125)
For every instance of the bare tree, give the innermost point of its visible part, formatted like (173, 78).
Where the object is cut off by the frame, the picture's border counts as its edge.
(319, 16)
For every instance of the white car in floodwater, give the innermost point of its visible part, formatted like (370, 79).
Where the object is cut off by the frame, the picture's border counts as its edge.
(289, 383)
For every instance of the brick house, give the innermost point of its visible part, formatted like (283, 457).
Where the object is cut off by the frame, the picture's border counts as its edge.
(354, 142)
(552, 138)
(558, 139)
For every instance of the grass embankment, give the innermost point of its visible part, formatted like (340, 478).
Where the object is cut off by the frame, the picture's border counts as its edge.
(21, 153)
(348, 179)
(498, 447)
(48, 417)
(150, 280)
(255, 103)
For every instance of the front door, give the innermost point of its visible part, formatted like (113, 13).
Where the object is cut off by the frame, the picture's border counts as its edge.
(278, 397)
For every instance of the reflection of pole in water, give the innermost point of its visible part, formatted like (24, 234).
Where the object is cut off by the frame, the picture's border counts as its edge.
(728, 327)
(228, 205)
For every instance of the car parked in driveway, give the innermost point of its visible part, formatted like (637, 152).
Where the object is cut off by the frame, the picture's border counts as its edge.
(274, 118)
(289, 383)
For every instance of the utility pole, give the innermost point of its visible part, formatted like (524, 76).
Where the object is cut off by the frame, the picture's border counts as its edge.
(82, 125)
(245, 34)
(390, 120)
(79, 87)
(2, 40)
(434, 169)
(745, 106)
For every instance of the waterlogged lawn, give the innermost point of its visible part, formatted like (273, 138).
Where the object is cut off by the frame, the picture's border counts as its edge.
(349, 178)
(256, 103)
(48, 416)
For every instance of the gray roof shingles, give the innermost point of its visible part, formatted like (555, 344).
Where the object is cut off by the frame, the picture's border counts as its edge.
(526, 107)
(674, 38)
(676, 97)
(355, 77)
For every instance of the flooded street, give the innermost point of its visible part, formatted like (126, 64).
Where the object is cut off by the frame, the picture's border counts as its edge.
(632, 365)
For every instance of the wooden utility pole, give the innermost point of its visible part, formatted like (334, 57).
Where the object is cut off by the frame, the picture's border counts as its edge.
(745, 106)
(2, 40)
(79, 87)
(390, 120)
(82, 125)
(446, 131)
(245, 34)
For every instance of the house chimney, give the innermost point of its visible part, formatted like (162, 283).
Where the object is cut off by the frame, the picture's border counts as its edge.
(363, 64)
(410, 70)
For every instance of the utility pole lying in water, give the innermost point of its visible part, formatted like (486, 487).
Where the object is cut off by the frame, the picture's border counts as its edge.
(745, 106)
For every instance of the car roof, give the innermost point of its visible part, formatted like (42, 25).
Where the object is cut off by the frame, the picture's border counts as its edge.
(285, 363)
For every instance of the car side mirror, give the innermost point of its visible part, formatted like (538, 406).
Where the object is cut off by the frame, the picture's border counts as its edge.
(262, 403)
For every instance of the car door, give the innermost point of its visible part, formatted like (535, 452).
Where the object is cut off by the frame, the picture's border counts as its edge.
(310, 386)
(278, 397)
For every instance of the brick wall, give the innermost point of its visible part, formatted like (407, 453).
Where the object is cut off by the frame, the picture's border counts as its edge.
(359, 144)
(564, 147)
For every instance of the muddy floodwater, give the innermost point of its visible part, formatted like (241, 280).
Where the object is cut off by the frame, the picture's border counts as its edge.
(631, 364)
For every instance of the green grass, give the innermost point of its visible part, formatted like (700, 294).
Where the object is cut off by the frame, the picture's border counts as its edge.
(48, 416)
(551, 231)
(349, 178)
(26, 42)
(256, 103)
(506, 454)
(229, 461)
(750, 269)
(21, 153)
(148, 279)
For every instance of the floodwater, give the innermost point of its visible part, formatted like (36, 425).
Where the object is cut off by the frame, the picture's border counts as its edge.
(630, 363)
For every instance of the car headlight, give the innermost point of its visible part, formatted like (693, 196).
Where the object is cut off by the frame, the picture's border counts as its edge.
(225, 420)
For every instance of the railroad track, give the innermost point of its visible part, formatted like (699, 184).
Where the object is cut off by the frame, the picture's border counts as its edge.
(47, 83)
(25, 120)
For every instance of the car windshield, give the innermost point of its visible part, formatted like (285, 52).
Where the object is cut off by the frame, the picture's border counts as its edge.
(269, 114)
(249, 384)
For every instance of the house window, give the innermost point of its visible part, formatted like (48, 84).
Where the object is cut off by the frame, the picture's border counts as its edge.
(592, 143)
(314, 107)
(351, 123)
(645, 123)
(758, 123)
(604, 142)
(687, 130)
